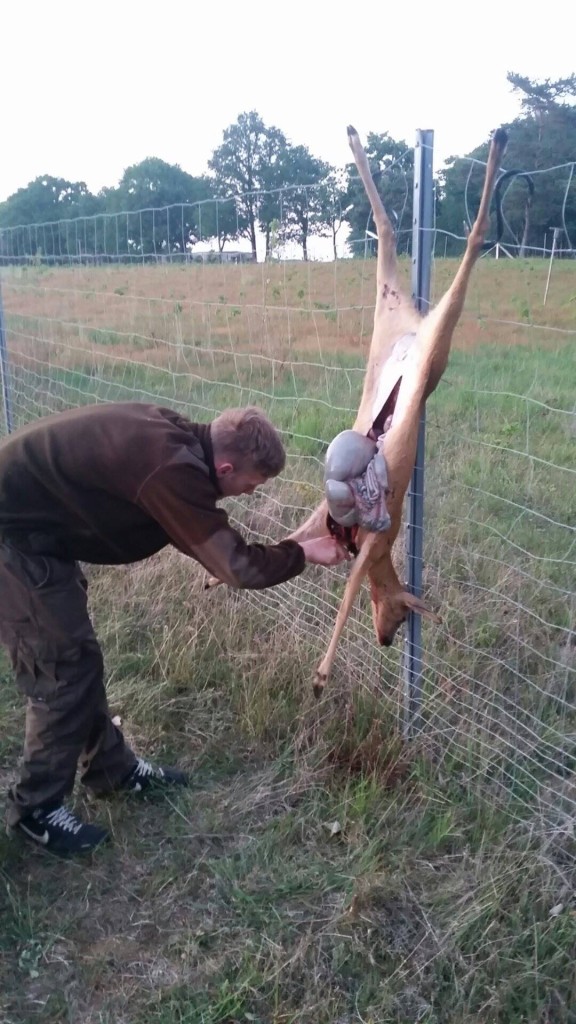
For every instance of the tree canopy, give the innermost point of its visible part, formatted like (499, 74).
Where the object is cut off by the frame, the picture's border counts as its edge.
(247, 165)
(542, 143)
(165, 206)
(258, 184)
(392, 166)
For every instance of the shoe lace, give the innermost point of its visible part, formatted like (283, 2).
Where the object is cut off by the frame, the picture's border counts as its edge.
(64, 819)
(144, 768)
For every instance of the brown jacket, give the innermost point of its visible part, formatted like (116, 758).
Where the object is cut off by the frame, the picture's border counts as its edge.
(114, 483)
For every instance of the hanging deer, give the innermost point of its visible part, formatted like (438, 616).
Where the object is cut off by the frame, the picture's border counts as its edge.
(408, 355)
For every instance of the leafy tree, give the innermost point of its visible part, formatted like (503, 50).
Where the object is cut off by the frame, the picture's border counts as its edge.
(217, 217)
(392, 166)
(163, 208)
(542, 98)
(458, 197)
(39, 216)
(335, 203)
(542, 142)
(46, 199)
(273, 173)
(247, 166)
(303, 201)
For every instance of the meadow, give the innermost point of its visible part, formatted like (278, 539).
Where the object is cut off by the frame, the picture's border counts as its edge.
(322, 869)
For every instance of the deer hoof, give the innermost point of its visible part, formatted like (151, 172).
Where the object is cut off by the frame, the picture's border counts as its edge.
(319, 684)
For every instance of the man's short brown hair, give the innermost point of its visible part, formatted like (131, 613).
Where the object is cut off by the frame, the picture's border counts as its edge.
(249, 440)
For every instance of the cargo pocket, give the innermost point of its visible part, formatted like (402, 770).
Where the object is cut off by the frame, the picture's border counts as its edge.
(47, 642)
(44, 670)
(18, 638)
(60, 607)
(45, 571)
(11, 633)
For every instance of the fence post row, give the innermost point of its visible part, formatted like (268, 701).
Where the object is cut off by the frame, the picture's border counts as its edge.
(422, 243)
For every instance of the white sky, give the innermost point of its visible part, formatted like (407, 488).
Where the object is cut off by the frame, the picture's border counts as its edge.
(90, 88)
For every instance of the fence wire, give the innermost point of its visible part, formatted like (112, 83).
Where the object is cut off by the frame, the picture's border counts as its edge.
(292, 336)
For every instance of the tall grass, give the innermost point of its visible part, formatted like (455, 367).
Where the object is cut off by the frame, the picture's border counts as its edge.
(321, 869)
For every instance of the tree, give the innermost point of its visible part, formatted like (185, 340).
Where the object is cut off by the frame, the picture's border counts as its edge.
(392, 165)
(302, 200)
(246, 166)
(218, 216)
(458, 195)
(546, 138)
(335, 203)
(163, 208)
(541, 140)
(39, 215)
(273, 174)
(542, 98)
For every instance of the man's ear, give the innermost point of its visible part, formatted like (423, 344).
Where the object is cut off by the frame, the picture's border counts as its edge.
(223, 468)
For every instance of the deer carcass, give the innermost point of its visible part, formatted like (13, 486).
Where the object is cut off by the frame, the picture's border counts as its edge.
(408, 355)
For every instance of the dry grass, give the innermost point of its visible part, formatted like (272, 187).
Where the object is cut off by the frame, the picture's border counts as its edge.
(280, 310)
(320, 869)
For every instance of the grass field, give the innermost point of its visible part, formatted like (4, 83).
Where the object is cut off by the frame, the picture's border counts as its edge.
(321, 870)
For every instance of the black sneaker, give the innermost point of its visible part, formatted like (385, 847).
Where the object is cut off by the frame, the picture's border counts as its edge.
(60, 831)
(149, 778)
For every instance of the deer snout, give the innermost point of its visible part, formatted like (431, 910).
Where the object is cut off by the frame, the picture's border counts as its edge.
(386, 636)
(388, 609)
(386, 623)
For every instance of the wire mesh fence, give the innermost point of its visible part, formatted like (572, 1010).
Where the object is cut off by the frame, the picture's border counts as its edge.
(103, 310)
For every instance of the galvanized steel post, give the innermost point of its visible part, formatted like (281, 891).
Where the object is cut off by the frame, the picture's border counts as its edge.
(422, 240)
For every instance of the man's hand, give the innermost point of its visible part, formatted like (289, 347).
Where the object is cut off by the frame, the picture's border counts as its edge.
(324, 551)
(318, 551)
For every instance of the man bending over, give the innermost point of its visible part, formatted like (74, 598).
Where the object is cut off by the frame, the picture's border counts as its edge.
(112, 484)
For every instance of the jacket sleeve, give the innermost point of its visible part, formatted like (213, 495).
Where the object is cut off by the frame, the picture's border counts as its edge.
(183, 502)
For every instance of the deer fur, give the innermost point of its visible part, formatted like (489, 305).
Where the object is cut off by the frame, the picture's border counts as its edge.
(408, 355)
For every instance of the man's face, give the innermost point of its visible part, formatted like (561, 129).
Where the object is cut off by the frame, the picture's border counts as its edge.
(238, 481)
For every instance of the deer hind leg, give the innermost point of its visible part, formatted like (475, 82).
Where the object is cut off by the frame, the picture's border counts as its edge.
(395, 318)
(440, 323)
(387, 270)
(437, 328)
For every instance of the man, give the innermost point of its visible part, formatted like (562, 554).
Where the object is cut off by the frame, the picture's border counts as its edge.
(112, 484)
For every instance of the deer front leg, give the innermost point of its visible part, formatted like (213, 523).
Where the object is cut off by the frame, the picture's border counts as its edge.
(353, 585)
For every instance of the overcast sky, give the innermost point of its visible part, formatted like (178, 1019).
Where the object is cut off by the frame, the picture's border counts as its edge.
(90, 88)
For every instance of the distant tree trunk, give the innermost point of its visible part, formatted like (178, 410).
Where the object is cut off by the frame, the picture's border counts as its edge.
(335, 231)
(304, 227)
(252, 221)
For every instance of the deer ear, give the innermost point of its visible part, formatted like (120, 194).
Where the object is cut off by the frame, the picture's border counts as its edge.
(414, 604)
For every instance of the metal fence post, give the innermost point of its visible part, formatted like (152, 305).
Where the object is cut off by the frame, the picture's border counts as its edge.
(422, 240)
(4, 371)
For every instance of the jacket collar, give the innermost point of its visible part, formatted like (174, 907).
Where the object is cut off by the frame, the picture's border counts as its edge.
(203, 432)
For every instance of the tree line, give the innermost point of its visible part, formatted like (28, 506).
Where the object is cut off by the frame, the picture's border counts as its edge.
(258, 182)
